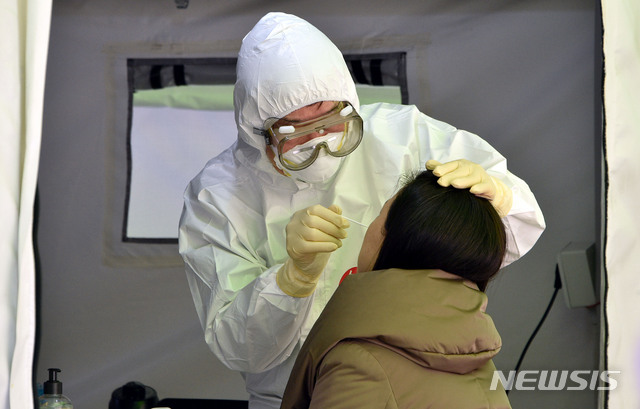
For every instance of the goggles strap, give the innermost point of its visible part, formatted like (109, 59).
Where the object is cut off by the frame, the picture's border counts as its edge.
(265, 134)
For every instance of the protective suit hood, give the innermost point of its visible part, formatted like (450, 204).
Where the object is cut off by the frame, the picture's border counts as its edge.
(284, 64)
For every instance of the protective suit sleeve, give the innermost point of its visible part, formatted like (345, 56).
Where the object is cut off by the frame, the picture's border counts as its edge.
(524, 221)
(422, 138)
(249, 323)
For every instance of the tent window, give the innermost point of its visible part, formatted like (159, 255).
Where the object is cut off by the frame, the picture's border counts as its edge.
(379, 77)
(181, 115)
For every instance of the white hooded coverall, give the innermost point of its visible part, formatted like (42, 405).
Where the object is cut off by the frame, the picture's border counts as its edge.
(232, 229)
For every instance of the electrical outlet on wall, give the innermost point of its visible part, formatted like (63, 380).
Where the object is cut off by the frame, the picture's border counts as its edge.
(576, 264)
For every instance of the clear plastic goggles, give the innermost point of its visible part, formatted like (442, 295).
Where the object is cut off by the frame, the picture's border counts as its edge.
(337, 133)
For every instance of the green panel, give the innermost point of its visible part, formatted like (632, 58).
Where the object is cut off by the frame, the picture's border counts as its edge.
(220, 97)
(369, 94)
(201, 97)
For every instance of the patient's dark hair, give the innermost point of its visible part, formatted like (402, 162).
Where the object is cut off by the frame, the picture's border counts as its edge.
(433, 227)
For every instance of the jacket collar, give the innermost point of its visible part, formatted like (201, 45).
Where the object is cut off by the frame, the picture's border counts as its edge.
(432, 317)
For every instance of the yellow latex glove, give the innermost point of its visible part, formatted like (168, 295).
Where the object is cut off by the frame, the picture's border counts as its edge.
(312, 235)
(463, 174)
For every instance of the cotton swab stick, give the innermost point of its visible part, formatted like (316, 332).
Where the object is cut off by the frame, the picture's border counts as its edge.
(353, 221)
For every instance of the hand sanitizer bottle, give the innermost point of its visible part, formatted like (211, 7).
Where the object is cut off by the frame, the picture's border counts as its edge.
(53, 397)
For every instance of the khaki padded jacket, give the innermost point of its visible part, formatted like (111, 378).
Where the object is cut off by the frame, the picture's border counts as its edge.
(399, 339)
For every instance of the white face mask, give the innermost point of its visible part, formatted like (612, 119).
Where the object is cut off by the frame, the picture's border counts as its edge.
(321, 170)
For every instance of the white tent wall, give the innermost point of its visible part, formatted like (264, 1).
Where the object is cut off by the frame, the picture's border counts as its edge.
(523, 75)
(24, 42)
(621, 20)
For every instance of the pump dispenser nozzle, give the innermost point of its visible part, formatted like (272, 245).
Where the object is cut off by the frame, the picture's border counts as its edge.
(53, 386)
(53, 397)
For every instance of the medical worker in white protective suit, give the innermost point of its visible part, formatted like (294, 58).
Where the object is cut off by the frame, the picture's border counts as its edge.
(262, 232)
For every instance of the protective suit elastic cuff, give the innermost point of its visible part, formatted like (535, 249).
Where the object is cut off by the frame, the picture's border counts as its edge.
(295, 283)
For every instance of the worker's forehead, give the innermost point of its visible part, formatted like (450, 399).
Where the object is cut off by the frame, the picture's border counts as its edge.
(310, 111)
